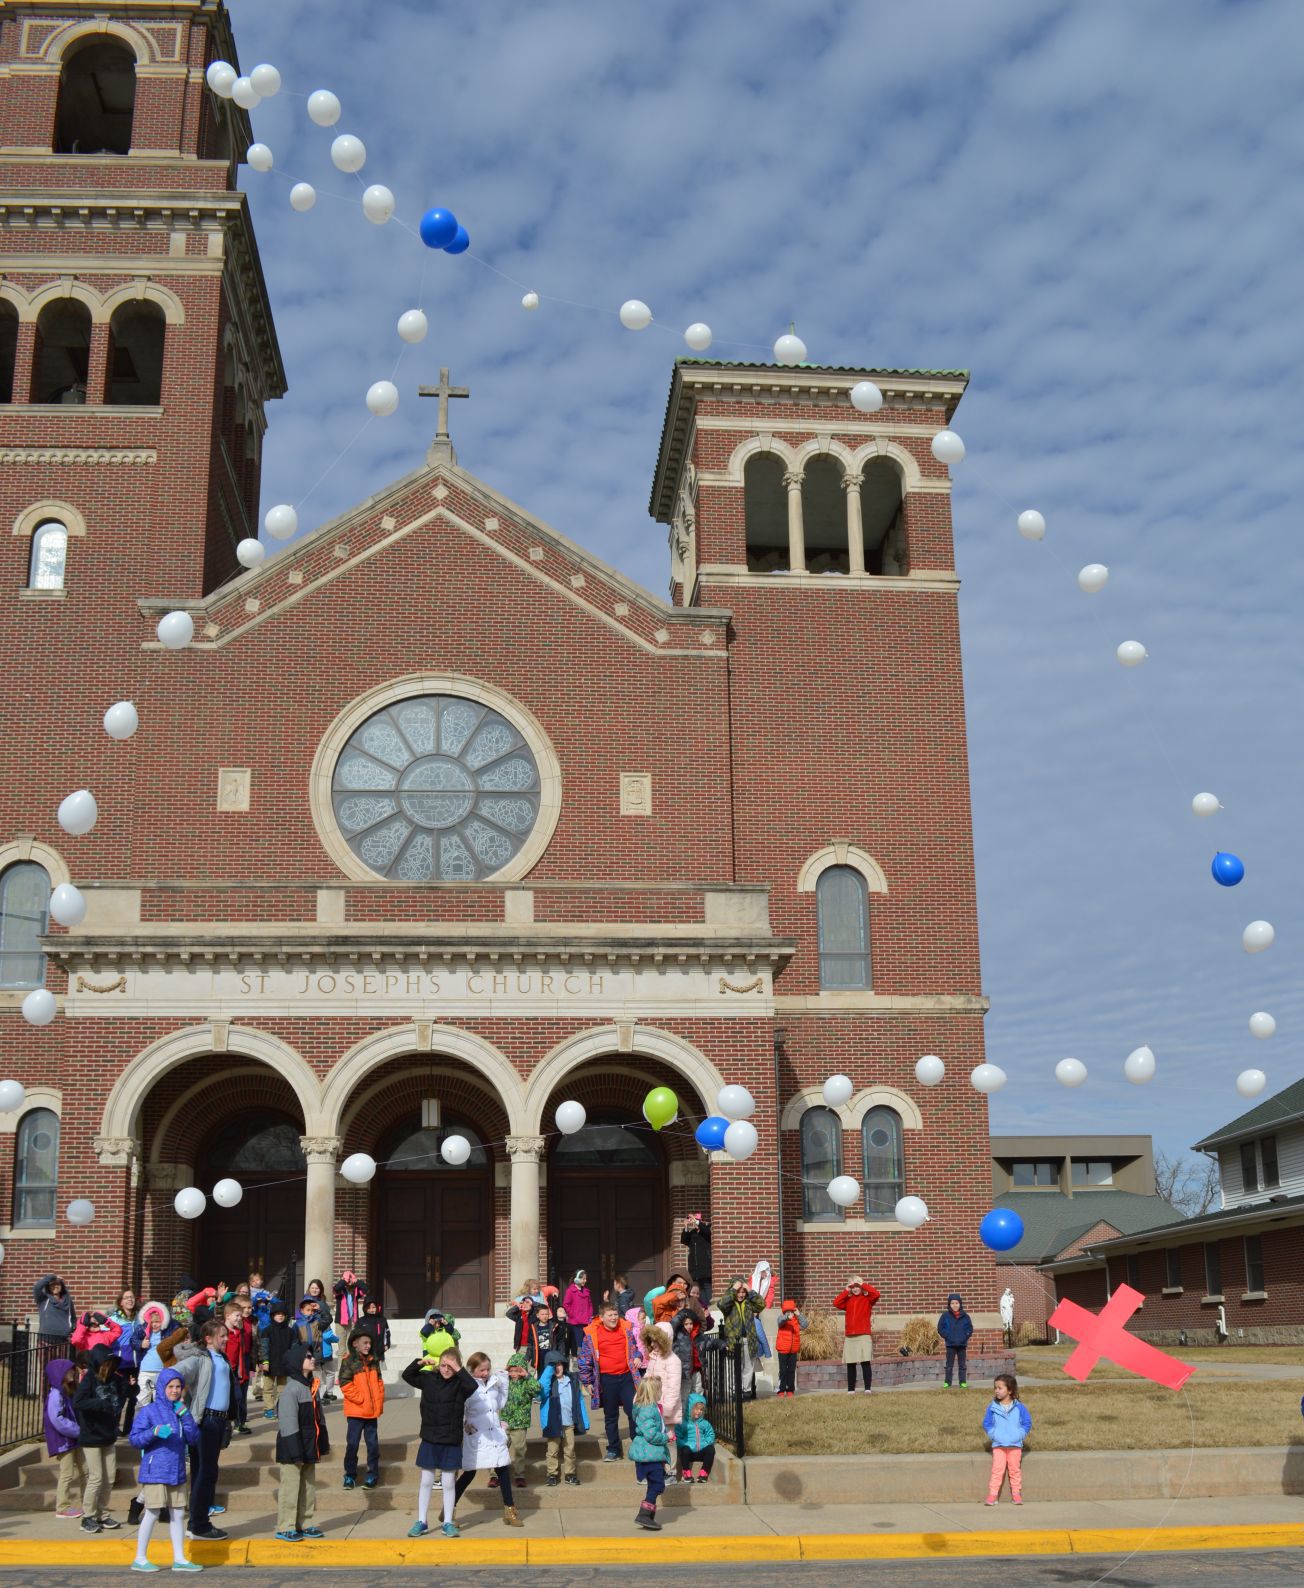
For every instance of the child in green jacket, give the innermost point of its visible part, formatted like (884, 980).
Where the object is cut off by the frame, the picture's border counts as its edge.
(649, 1450)
(522, 1392)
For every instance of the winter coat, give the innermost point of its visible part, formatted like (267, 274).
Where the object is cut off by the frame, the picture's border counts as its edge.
(61, 1429)
(94, 1328)
(438, 1338)
(955, 1328)
(240, 1350)
(698, 1243)
(552, 1333)
(578, 1302)
(685, 1326)
(588, 1369)
(442, 1400)
(375, 1325)
(362, 1387)
(521, 1393)
(301, 1437)
(54, 1314)
(694, 1434)
(787, 1337)
(650, 1441)
(262, 1300)
(276, 1339)
(308, 1331)
(129, 1346)
(857, 1310)
(667, 1304)
(1008, 1425)
(98, 1403)
(196, 1367)
(738, 1319)
(552, 1414)
(349, 1302)
(671, 1373)
(163, 1460)
(624, 1300)
(525, 1335)
(487, 1445)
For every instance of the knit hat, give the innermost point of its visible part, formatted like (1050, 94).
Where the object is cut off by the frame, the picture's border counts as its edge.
(788, 1306)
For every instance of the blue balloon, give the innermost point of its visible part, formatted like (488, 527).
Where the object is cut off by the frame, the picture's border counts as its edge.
(1001, 1229)
(438, 228)
(460, 243)
(710, 1133)
(1227, 869)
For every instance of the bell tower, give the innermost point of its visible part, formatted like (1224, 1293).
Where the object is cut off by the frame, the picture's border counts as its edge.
(137, 350)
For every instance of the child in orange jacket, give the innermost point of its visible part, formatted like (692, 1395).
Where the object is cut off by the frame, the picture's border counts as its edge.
(364, 1400)
(787, 1342)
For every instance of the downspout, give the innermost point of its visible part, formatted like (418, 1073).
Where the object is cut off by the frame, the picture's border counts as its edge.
(780, 1036)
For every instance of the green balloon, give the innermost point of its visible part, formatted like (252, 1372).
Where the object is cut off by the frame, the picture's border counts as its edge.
(660, 1106)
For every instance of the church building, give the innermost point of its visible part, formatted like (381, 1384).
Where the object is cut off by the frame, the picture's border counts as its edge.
(361, 882)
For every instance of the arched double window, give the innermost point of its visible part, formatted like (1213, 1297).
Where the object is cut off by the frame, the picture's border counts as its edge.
(24, 920)
(821, 1161)
(97, 100)
(885, 1180)
(842, 907)
(49, 560)
(36, 1167)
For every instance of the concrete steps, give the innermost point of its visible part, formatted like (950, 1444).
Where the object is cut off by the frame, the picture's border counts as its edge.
(493, 1336)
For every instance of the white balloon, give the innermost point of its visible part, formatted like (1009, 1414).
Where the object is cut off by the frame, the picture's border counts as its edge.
(1095, 576)
(251, 553)
(1131, 653)
(740, 1140)
(382, 398)
(1262, 1025)
(413, 325)
(929, 1070)
(1205, 804)
(244, 93)
(121, 720)
(987, 1078)
(175, 631)
(1139, 1066)
(866, 397)
(635, 314)
(912, 1212)
(789, 349)
(13, 1094)
(735, 1102)
(266, 79)
(68, 905)
(530, 300)
(843, 1191)
(221, 77)
(455, 1149)
(570, 1117)
(39, 1007)
(698, 336)
(281, 521)
(1249, 1083)
(303, 195)
(1032, 526)
(323, 107)
(80, 1211)
(78, 812)
(348, 153)
(259, 157)
(1070, 1072)
(227, 1193)
(1257, 936)
(377, 203)
(947, 447)
(190, 1202)
(358, 1168)
(838, 1090)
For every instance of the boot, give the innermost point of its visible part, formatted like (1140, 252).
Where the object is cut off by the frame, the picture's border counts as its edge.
(510, 1518)
(134, 1511)
(647, 1517)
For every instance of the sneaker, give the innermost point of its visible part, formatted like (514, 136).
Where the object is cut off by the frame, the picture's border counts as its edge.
(109, 1523)
(350, 1483)
(144, 1565)
(311, 1532)
(90, 1525)
(186, 1565)
(947, 1385)
(554, 1482)
(418, 1530)
(493, 1483)
(451, 1530)
(611, 1455)
(989, 1502)
(207, 1535)
(72, 1514)
(370, 1481)
(217, 1510)
(270, 1413)
(704, 1477)
(519, 1483)
(135, 1511)
(573, 1480)
(241, 1428)
(1018, 1499)
(964, 1384)
(291, 1535)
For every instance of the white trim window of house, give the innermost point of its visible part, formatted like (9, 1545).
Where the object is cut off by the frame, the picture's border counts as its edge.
(1173, 1267)
(1212, 1269)
(1260, 1170)
(1035, 1174)
(1254, 1272)
(1091, 1172)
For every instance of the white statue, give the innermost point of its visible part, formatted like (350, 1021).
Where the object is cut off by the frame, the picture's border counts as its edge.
(1007, 1309)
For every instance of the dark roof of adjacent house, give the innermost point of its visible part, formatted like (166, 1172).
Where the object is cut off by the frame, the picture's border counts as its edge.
(1052, 1222)
(1285, 1108)
(1287, 1209)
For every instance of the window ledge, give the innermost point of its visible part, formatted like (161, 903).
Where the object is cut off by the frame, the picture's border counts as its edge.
(1171, 1290)
(109, 410)
(1254, 1295)
(30, 1232)
(848, 1227)
(1209, 1301)
(27, 593)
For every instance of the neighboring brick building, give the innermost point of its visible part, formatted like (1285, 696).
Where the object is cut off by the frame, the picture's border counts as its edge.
(441, 821)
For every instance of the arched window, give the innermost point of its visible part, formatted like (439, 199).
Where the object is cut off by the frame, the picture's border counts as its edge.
(135, 373)
(842, 904)
(258, 1142)
(824, 517)
(24, 920)
(605, 1143)
(63, 350)
(417, 1150)
(8, 349)
(97, 98)
(36, 1167)
(765, 509)
(885, 1179)
(821, 1161)
(882, 514)
(49, 556)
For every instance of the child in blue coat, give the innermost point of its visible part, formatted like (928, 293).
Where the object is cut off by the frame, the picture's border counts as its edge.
(955, 1326)
(695, 1441)
(649, 1450)
(161, 1431)
(561, 1412)
(1007, 1424)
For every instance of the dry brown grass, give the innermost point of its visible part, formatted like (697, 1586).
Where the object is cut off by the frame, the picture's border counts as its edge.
(821, 1339)
(1030, 1333)
(1045, 1360)
(920, 1337)
(1099, 1416)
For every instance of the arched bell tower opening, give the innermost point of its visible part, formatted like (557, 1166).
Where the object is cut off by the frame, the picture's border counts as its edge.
(97, 100)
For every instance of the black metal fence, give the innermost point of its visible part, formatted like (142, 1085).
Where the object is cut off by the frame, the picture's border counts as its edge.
(722, 1383)
(23, 1360)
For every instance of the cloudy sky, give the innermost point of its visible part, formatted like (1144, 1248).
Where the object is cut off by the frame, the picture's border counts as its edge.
(1093, 207)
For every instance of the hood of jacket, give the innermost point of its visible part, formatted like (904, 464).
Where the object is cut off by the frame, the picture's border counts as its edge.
(292, 1362)
(54, 1371)
(435, 1313)
(164, 1379)
(553, 1359)
(100, 1354)
(519, 1359)
(694, 1400)
(955, 1296)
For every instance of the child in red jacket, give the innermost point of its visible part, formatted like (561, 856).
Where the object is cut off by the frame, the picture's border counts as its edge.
(856, 1303)
(787, 1342)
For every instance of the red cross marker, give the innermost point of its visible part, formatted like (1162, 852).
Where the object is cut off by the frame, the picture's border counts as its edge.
(1103, 1334)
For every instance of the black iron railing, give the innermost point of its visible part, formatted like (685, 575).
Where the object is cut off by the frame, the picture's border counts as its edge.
(23, 1360)
(722, 1383)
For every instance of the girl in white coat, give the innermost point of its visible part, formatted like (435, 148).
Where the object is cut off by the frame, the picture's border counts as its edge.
(485, 1444)
(662, 1363)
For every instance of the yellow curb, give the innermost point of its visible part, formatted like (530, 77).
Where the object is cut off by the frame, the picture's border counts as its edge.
(641, 1549)
(931, 1546)
(1250, 1535)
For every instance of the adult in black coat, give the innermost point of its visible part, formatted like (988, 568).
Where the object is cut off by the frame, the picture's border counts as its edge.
(696, 1237)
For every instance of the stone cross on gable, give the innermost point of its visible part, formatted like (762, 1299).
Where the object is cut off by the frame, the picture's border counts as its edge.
(441, 448)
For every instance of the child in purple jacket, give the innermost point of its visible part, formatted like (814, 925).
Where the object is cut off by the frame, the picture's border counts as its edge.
(161, 1431)
(61, 1437)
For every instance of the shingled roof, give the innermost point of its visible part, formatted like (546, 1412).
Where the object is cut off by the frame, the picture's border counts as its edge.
(1052, 1222)
(1285, 1108)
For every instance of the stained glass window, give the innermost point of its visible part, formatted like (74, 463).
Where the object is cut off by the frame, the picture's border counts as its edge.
(821, 1161)
(885, 1182)
(436, 789)
(24, 920)
(36, 1167)
(49, 557)
(842, 903)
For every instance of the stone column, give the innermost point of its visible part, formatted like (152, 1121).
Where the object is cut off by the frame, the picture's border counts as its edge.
(319, 1218)
(855, 525)
(525, 1152)
(796, 528)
